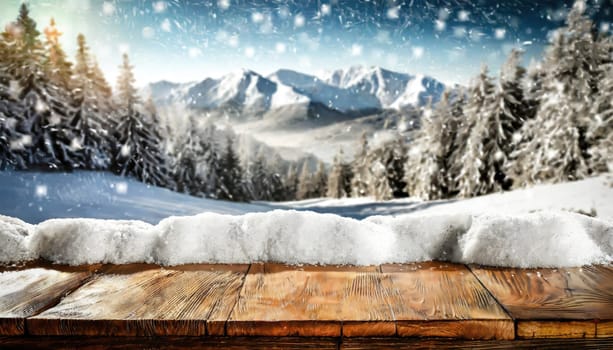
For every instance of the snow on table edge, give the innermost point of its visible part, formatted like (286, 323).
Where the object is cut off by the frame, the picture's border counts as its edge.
(543, 239)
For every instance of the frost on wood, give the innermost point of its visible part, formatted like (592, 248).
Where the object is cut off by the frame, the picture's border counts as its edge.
(546, 239)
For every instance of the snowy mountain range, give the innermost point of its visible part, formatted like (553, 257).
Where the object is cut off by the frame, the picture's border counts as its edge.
(355, 91)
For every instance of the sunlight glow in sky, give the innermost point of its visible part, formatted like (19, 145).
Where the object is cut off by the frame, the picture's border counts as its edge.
(190, 40)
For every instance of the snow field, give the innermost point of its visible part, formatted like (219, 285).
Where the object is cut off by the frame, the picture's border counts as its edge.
(544, 239)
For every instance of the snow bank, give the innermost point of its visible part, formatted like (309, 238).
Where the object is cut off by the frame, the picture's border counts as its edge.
(544, 239)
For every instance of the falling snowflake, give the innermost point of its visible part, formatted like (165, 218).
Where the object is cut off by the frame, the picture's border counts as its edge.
(249, 52)
(393, 12)
(121, 187)
(223, 4)
(148, 32)
(125, 151)
(325, 9)
(280, 47)
(463, 16)
(500, 33)
(440, 25)
(356, 50)
(194, 52)
(159, 6)
(166, 26)
(418, 52)
(108, 8)
(299, 21)
(41, 191)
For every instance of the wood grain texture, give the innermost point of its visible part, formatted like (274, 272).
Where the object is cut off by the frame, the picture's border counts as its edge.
(556, 329)
(25, 292)
(443, 300)
(426, 343)
(279, 300)
(584, 293)
(604, 329)
(143, 300)
(229, 343)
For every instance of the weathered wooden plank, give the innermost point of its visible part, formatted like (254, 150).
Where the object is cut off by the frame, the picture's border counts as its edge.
(553, 302)
(279, 300)
(169, 342)
(583, 293)
(25, 292)
(428, 343)
(443, 300)
(556, 329)
(143, 300)
(604, 329)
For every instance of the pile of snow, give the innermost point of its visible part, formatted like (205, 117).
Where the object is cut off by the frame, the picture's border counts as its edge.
(545, 239)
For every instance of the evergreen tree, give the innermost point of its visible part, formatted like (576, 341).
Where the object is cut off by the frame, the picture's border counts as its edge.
(473, 177)
(11, 141)
(555, 145)
(291, 183)
(90, 119)
(319, 182)
(499, 118)
(600, 131)
(230, 182)
(361, 174)
(137, 152)
(260, 179)
(187, 155)
(45, 105)
(305, 187)
(335, 182)
(430, 175)
(379, 186)
(58, 68)
(395, 157)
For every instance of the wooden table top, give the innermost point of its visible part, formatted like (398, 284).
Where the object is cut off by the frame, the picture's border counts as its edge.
(437, 300)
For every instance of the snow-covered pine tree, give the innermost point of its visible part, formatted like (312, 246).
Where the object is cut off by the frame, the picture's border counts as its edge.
(57, 67)
(230, 179)
(137, 152)
(491, 140)
(361, 173)
(555, 146)
(277, 181)
(600, 131)
(90, 119)
(291, 183)
(396, 156)
(319, 182)
(45, 105)
(187, 155)
(429, 176)
(11, 141)
(260, 179)
(337, 178)
(472, 179)
(305, 186)
(379, 185)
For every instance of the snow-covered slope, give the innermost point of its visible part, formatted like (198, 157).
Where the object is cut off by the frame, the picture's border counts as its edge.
(590, 195)
(357, 89)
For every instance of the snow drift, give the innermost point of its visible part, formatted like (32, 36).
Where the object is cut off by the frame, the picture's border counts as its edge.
(544, 239)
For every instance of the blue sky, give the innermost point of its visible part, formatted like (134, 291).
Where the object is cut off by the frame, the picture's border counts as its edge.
(189, 40)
